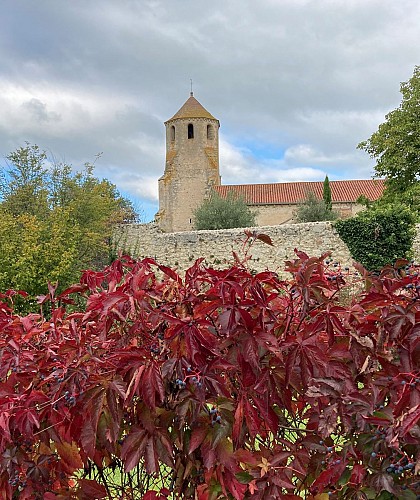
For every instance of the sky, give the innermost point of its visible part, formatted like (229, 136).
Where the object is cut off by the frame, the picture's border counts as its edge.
(296, 84)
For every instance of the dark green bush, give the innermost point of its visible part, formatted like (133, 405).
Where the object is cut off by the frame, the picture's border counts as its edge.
(379, 236)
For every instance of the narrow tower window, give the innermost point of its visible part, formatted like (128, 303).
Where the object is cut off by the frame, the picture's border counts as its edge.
(210, 132)
(172, 133)
(190, 131)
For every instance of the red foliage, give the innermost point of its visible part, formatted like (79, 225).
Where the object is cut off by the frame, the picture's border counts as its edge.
(220, 384)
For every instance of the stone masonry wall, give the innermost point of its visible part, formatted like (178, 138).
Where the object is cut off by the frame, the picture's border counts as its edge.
(180, 250)
(272, 215)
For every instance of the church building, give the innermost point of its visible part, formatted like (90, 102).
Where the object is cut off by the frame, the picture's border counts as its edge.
(192, 172)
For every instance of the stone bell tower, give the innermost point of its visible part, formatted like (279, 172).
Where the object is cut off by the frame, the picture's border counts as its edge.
(192, 165)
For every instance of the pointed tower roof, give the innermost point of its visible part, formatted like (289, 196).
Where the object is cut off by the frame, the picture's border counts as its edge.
(192, 109)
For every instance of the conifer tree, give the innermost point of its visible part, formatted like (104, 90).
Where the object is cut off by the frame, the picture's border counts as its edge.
(326, 193)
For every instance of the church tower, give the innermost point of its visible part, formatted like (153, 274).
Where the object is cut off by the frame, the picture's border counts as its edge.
(192, 165)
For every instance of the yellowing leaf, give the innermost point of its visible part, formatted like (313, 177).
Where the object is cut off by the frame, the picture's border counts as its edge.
(70, 456)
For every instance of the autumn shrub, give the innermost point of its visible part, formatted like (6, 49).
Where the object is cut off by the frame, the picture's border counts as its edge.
(214, 384)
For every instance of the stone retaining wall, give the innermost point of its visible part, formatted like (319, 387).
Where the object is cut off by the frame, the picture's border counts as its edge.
(180, 250)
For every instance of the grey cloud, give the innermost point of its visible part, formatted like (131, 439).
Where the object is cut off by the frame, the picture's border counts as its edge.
(39, 112)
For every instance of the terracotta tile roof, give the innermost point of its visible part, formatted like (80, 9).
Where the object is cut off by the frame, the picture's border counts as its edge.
(295, 192)
(192, 109)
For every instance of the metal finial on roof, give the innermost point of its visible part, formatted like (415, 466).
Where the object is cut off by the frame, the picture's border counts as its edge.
(191, 93)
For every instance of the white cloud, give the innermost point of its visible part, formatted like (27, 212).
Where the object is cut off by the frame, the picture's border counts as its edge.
(239, 166)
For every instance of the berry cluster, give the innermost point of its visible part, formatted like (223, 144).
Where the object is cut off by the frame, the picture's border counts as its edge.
(215, 416)
(154, 348)
(180, 383)
(69, 399)
(337, 272)
(14, 478)
(193, 377)
(399, 469)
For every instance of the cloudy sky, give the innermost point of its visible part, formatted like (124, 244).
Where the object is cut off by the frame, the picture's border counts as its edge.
(296, 84)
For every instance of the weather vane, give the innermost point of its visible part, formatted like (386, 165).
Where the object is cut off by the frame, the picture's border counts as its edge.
(191, 93)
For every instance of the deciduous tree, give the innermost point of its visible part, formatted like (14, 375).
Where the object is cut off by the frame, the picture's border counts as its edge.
(396, 144)
(54, 223)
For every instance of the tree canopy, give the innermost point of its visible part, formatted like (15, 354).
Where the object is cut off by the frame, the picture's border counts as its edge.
(223, 213)
(396, 144)
(54, 222)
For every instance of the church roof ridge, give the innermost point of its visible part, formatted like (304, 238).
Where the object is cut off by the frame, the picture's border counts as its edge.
(192, 109)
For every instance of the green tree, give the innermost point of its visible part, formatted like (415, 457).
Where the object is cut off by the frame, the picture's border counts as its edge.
(312, 209)
(396, 144)
(23, 185)
(326, 193)
(410, 198)
(53, 222)
(223, 213)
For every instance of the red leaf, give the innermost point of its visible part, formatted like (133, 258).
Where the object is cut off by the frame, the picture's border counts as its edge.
(172, 274)
(133, 448)
(327, 477)
(92, 489)
(234, 486)
(410, 420)
(253, 421)
(152, 388)
(197, 437)
(150, 495)
(237, 422)
(132, 388)
(357, 474)
(151, 457)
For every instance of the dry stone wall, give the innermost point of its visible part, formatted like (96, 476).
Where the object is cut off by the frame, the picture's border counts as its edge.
(180, 250)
